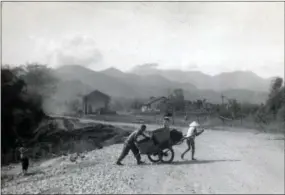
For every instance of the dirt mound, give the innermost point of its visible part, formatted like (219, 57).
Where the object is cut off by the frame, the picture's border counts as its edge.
(61, 136)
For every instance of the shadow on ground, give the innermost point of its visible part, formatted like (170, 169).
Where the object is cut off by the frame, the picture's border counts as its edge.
(278, 138)
(35, 172)
(189, 162)
(186, 162)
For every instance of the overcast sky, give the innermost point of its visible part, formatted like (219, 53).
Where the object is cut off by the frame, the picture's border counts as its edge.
(210, 37)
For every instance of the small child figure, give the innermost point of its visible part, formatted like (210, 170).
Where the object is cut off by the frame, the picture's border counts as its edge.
(24, 160)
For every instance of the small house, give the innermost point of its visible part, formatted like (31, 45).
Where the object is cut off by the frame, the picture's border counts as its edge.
(155, 104)
(95, 102)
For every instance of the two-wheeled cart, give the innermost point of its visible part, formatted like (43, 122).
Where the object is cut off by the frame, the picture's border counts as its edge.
(159, 148)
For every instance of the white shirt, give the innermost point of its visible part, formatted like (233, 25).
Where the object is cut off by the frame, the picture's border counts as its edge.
(191, 129)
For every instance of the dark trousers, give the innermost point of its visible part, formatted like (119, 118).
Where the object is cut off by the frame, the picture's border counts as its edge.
(126, 150)
(190, 144)
(25, 163)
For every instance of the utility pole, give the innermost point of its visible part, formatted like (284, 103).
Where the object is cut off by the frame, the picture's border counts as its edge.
(222, 96)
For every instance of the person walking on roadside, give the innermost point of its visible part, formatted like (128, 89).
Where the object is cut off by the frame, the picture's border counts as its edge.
(190, 138)
(24, 160)
(130, 145)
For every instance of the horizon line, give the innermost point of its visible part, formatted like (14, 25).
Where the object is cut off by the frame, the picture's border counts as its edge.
(130, 71)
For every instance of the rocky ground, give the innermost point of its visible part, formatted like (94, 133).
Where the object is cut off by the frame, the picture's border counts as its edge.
(228, 162)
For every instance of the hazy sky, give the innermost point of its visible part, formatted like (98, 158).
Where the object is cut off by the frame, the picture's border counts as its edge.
(210, 37)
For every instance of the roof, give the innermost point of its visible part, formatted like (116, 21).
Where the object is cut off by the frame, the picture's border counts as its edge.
(155, 100)
(96, 92)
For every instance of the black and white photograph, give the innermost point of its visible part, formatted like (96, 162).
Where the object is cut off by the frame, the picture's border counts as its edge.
(142, 97)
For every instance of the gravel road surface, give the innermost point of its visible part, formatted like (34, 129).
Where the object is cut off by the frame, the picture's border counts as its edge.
(228, 162)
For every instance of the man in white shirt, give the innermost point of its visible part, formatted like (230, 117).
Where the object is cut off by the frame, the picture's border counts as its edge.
(190, 138)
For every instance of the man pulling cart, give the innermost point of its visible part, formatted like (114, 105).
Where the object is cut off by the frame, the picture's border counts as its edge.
(190, 138)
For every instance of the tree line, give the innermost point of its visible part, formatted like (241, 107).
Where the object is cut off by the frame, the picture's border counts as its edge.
(271, 110)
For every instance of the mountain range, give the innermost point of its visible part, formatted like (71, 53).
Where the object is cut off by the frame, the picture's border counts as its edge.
(225, 81)
(143, 82)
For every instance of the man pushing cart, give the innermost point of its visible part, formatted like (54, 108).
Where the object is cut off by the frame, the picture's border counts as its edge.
(158, 146)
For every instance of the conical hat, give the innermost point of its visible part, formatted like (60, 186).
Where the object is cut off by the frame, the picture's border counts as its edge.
(22, 149)
(194, 124)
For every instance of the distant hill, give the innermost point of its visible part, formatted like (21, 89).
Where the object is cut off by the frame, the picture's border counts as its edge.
(241, 80)
(119, 84)
(147, 80)
(116, 73)
(140, 85)
(225, 81)
(96, 80)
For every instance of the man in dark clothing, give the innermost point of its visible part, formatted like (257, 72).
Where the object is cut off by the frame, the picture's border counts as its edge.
(24, 160)
(130, 145)
(166, 122)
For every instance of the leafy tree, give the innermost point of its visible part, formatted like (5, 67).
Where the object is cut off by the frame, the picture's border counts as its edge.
(276, 97)
(234, 107)
(176, 99)
(39, 78)
(199, 104)
(23, 89)
(136, 104)
(276, 85)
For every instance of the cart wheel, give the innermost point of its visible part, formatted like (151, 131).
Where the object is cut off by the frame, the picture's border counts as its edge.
(154, 157)
(168, 155)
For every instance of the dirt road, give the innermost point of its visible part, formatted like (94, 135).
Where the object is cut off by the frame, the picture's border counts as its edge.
(228, 162)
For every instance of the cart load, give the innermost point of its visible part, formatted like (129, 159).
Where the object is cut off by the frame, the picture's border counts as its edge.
(176, 136)
(159, 138)
(159, 144)
(146, 146)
